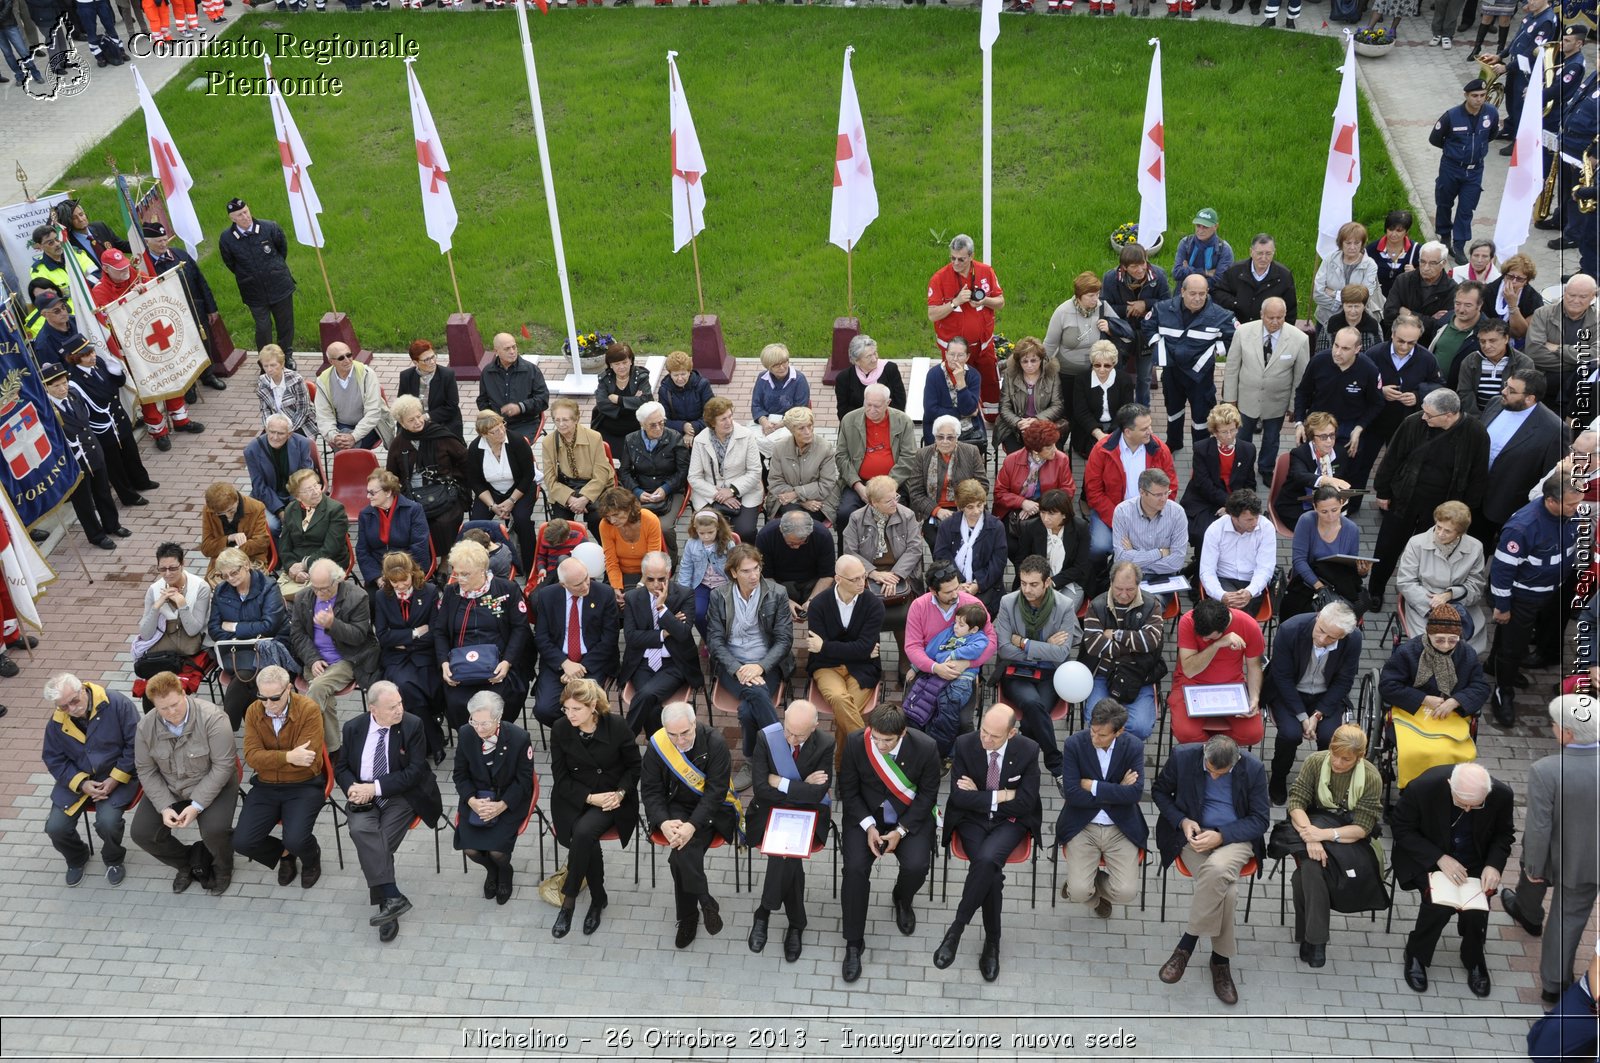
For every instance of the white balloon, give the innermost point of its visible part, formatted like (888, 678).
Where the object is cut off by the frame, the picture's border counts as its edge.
(593, 558)
(1073, 682)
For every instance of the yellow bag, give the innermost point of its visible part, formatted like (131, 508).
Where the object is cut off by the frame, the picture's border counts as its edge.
(1422, 742)
(550, 888)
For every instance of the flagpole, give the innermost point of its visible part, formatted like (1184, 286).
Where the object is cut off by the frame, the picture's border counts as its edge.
(849, 279)
(576, 382)
(988, 149)
(450, 258)
(694, 247)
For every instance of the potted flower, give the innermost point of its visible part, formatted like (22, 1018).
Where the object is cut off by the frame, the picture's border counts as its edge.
(591, 350)
(1374, 42)
(1128, 232)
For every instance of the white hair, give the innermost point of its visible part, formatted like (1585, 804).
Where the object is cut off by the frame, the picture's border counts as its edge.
(648, 410)
(1432, 247)
(61, 685)
(288, 425)
(1339, 615)
(486, 701)
(1470, 781)
(876, 391)
(677, 712)
(1579, 714)
(944, 420)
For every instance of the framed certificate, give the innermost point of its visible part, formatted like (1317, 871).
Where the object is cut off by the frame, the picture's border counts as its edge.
(789, 832)
(1221, 699)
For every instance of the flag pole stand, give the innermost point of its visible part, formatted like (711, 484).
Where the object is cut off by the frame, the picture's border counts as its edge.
(706, 346)
(463, 344)
(845, 328)
(335, 326)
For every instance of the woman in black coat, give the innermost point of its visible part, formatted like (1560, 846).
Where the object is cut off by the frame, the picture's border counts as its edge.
(1070, 564)
(500, 476)
(594, 786)
(624, 387)
(480, 610)
(1096, 398)
(494, 778)
(850, 386)
(424, 453)
(444, 397)
(404, 611)
(1208, 488)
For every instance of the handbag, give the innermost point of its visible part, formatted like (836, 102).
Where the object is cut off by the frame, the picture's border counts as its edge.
(435, 496)
(238, 658)
(150, 664)
(475, 663)
(550, 888)
(1124, 680)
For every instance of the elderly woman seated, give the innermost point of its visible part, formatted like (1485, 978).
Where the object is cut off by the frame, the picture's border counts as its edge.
(480, 636)
(777, 391)
(655, 468)
(231, 519)
(953, 388)
(500, 473)
(628, 531)
(1334, 805)
(576, 469)
(431, 465)
(1026, 475)
(1445, 566)
(725, 469)
(1433, 685)
(390, 521)
(803, 473)
(246, 605)
(683, 393)
(936, 469)
(867, 368)
(314, 526)
(282, 390)
(494, 782)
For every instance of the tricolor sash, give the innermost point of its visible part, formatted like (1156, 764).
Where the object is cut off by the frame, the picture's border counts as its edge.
(892, 776)
(689, 775)
(783, 757)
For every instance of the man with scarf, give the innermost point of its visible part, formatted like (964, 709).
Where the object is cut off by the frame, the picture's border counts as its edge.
(888, 784)
(161, 256)
(683, 786)
(1435, 455)
(1203, 251)
(99, 383)
(1189, 331)
(91, 499)
(793, 769)
(117, 281)
(1037, 629)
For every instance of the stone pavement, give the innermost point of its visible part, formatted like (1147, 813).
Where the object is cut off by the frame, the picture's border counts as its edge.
(297, 966)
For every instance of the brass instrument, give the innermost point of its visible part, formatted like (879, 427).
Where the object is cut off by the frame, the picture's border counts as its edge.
(1552, 59)
(1542, 207)
(1492, 84)
(1586, 204)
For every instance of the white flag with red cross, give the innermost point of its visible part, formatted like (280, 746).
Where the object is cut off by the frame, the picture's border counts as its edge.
(1525, 178)
(1152, 177)
(688, 165)
(855, 197)
(433, 169)
(168, 165)
(304, 206)
(1343, 176)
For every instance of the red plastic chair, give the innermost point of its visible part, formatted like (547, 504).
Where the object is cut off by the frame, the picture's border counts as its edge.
(717, 842)
(350, 471)
(1022, 854)
(1280, 474)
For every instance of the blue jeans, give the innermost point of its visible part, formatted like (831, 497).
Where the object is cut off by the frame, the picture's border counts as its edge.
(16, 53)
(1267, 450)
(1141, 382)
(1141, 714)
(1099, 540)
(63, 832)
(756, 709)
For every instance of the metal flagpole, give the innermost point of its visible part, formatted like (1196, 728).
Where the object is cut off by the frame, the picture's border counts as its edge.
(988, 149)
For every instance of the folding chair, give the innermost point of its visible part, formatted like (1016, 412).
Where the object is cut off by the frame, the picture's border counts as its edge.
(1250, 870)
(717, 842)
(1021, 854)
(89, 806)
(350, 471)
(1280, 475)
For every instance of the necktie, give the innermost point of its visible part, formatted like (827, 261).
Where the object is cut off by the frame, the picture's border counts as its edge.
(657, 655)
(574, 633)
(794, 752)
(380, 759)
(1266, 348)
(993, 782)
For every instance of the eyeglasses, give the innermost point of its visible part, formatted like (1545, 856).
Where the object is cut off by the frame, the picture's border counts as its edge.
(232, 573)
(167, 570)
(1326, 435)
(944, 437)
(1518, 277)
(340, 358)
(282, 695)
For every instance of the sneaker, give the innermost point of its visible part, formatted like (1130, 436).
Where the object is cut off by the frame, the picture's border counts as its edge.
(74, 875)
(1446, 43)
(115, 873)
(1433, 42)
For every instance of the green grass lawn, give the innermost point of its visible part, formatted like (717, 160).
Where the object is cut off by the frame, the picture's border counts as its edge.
(1247, 124)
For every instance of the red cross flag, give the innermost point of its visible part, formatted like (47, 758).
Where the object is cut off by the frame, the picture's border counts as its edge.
(1526, 175)
(1152, 177)
(161, 343)
(25, 570)
(304, 206)
(688, 165)
(168, 165)
(855, 197)
(1343, 175)
(433, 169)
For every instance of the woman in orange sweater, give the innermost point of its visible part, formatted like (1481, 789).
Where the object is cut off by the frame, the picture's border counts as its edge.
(628, 531)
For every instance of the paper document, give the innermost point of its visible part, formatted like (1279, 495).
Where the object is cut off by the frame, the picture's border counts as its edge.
(1467, 897)
(1168, 585)
(1220, 699)
(789, 832)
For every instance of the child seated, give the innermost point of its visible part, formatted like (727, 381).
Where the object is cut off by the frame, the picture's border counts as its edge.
(934, 704)
(499, 556)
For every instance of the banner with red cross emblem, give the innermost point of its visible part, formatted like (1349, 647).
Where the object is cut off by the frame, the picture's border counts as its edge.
(161, 344)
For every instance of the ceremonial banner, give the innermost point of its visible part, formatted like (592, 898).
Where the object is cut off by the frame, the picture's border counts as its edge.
(1525, 177)
(1343, 175)
(17, 223)
(168, 165)
(688, 165)
(304, 206)
(35, 461)
(1152, 175)
(855, 197)
(162, 346)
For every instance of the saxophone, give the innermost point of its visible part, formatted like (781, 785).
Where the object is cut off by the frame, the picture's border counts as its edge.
(1542, 206)
(1586, 204)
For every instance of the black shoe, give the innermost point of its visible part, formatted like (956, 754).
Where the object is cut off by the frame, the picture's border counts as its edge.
(1549, 997)
(791, 944)
(1314, 955)
(27, 642)
(389, 931)
(1278, 790)
(192, 427)
(852, 962)
(1561, 243)
(311, 871)
(163, 442)
(491, 883)
(563, 923)
(1508, 901)
(210, 379)
(1503, 708)
(39, 535)
(182, 880)
(591, 918)
(191, 396)
(904, 917)
(288, 869)
(989, 960)
(148, 485)
(758, 932)
(1288, 24)
(8, 667)
(1269, 23)
(1548, 224)
(1478, 980)
(945, 954)
(711, 915)
(687, 929)
(1236, 7)
(220, 881)
(104, 543)
(138, 500)
(121, 533)
(1458, 251)
(502, 889)
(1416, 974)
(1507, 149)
(391, 909)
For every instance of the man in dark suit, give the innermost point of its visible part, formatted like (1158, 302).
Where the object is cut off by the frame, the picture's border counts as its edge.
(658, 656)
(1213, 807)
(383, 770)
(793, 768)
(993, 806)
(442, 402)
(1457, 820)
(1102, 782)
(843, 626)
(91, 499)
(685, 806)
(888, 784)
(565, 653)
(1314, 663)
(1525, 439)
(1407, 372)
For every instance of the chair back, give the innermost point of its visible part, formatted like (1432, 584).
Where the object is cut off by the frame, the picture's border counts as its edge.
(350, 471)
(1280, 473)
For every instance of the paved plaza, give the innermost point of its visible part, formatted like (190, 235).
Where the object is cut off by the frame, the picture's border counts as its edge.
(267, 972)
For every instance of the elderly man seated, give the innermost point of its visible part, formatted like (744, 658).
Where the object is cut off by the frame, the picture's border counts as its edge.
(1562, 334)
(183, 755)
(1314, 664)
(350, 407)
(89, 752)
(283, 747)
(271, 458)
(1454, 820)
(873, 441)
(331, 629)
(797, 552)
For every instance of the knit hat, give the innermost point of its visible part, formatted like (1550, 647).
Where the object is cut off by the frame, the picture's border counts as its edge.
(1444, 620)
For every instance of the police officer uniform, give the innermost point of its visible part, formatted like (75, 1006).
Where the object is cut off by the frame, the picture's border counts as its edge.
(1533, 32)
(1464, 138)
(258, 258)
(91, 499)
(1536, 552)
(1578, 134)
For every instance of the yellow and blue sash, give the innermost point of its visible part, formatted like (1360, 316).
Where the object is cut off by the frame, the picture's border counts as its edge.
(691, 776)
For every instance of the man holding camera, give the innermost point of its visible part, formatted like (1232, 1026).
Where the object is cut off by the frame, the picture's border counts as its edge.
(962, 299)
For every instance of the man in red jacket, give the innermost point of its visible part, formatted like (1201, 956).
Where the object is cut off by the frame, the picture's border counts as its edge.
(1111, 474)
(962, 299)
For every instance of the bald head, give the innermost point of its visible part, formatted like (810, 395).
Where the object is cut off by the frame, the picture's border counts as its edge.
(1470, 784)
(505, 349)
(339, 357)
(1273, 312)
(799, 721)
(849, 577)
(1578, 295)
(999, 724)
(574, 576)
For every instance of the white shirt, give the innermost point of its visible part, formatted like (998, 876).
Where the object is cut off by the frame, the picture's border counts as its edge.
(846, 609)
(1104, 757)
(497, 470)
(1503, 427)
(1224, 551)
(1133, 463)
(368, 750)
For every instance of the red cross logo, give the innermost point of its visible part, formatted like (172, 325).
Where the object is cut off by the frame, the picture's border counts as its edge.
(1158, 137)
(1345, 144)
(160, 335)
(691, 176)
(166, 162)
(842, 153)
(286, 154)
(425, 158)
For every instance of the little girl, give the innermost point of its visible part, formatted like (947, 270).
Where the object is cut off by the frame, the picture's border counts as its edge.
(703, 562)
(557, 539)
(935, 704)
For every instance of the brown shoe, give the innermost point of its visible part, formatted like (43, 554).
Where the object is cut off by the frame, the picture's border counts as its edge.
(1173, 969)
(310, 873)
(1222, 982)
(1103, 909)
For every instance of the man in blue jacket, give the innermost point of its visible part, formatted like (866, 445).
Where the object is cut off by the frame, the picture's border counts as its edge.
(1102, 781)
(1214, 813)
(1536, 552)
(271, 458)
(1189, 332)
(1464, 133)
(88, 749)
